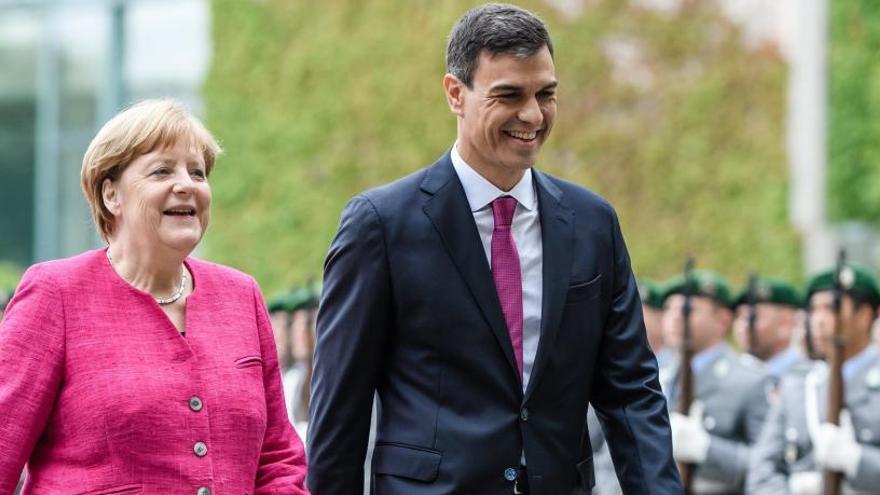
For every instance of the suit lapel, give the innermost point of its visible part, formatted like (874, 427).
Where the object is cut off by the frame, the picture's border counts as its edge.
(557, 237)
(449, 212)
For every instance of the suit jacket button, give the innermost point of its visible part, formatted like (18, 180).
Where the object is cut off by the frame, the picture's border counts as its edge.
(195, 403)
(204, 490)
(524, 414)
(510, 474)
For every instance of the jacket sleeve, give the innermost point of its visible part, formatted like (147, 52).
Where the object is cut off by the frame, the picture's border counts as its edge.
(765, 475)
(32, 336)
(626, 390)
(351, 326)
(282, 464)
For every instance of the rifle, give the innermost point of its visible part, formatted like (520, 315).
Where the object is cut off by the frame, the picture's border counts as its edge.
(753, 314)
(831, 479)
(686, 375)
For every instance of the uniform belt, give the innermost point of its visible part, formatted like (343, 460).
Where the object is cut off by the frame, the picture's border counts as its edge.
(521, 484)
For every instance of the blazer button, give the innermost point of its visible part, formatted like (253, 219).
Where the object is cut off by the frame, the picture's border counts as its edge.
(200, 449)
(510, 474)
(524, 414)
(203, 490)
(195, 403)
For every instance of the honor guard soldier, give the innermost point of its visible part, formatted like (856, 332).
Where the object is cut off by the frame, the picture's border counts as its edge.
(651, 293)
(797, 442)
(768, 315)
(724, 419)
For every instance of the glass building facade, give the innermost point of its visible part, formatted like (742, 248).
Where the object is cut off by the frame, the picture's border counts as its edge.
(66, 67)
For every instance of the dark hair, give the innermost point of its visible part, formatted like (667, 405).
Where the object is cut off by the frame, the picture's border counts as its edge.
(497, 28)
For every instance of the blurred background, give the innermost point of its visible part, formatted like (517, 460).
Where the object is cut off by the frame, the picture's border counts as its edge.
(743, 132)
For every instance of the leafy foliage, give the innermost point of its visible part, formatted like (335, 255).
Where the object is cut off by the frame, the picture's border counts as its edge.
(669, 116)
(854, 141)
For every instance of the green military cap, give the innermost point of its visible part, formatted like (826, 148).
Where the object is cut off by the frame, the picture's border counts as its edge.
(702, 283)
(651, 293)
(856, 280)
(279, 302)
(305, 297)
(770, 290)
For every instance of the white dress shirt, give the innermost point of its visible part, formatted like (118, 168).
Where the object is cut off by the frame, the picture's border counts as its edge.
(526, 229)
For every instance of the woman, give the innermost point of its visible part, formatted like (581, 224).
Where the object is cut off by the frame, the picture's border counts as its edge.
(136, 369)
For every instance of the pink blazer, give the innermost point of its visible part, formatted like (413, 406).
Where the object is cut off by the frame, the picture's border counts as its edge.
(100, 394)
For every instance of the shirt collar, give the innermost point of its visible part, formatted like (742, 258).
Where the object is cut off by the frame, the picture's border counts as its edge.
(704, 357)
(780, 363)
(480, 192)
(854, 364)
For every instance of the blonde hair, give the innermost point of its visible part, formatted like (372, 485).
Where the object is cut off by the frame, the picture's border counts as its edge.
(140, 129)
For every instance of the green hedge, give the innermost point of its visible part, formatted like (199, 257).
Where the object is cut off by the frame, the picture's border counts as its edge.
(315, 101)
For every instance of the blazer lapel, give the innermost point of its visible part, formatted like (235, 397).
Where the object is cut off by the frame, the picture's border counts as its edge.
(449, 212)
(557, 237)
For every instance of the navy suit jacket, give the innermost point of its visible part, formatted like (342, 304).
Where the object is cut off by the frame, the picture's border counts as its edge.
(409, 310)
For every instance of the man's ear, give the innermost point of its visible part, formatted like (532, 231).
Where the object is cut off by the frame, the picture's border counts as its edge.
(110, 196)
(454, 89)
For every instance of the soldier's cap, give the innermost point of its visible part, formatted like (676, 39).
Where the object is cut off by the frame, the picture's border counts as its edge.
(305, 297)
(702, 283)
(770, 290)
(651, 293)
(855, 279)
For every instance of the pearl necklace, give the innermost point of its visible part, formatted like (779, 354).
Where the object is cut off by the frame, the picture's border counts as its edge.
(163, 300)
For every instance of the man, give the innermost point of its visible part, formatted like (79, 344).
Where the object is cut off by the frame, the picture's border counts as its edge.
(768, 316)
(484, 375)
(796, 444)
(730, 400)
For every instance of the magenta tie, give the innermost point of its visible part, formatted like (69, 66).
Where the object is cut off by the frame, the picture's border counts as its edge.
(507, 274)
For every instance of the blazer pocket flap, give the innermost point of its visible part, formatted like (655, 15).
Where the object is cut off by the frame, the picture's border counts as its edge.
(248, 361)
(584, 290)
(408, 462)
(585, 470)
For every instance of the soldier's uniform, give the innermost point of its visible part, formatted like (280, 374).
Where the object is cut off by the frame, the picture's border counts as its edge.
(785, 447)
(783, 460)
(731, 387)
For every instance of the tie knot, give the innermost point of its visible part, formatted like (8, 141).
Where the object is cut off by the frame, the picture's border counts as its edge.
(502, 210)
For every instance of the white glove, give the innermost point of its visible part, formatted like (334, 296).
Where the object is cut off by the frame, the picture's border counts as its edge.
(805, 483)
(836, 448)
(690, 442)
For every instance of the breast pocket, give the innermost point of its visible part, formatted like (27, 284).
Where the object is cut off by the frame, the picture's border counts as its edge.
(584, 291)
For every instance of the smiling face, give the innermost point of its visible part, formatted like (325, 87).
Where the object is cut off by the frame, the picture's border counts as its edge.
(506, 114)
(162, 200)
